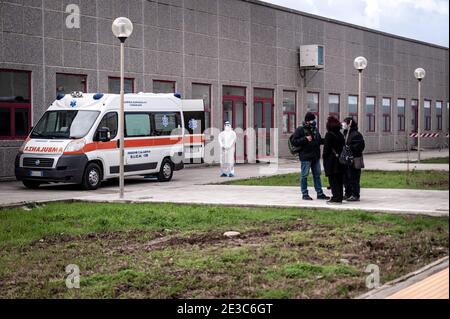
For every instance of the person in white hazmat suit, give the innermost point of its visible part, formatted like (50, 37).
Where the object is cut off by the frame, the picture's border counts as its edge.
(227, 142)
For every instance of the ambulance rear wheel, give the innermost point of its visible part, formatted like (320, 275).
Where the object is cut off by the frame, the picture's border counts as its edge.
(92, 177)
(166, 171)
(31, 184)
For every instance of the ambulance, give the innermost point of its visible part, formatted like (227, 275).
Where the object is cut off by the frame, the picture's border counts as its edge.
(194, 140)
(77, 141)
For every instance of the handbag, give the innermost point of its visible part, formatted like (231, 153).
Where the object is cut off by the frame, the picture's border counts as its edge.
(359, 163)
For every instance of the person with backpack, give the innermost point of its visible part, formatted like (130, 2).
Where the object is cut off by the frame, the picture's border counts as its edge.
(307, 141)
(334, 169)
(356, 145)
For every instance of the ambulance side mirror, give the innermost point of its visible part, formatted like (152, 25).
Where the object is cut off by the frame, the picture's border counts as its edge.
(104, 134)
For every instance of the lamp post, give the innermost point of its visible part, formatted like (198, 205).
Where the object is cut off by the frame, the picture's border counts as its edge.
(420, 75)
(122, 28)
(360, 64)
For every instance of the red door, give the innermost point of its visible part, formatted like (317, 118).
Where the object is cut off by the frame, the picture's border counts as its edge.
(264, 121)
(234, 111)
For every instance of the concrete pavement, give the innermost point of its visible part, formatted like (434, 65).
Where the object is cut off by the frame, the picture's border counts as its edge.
(191, 186)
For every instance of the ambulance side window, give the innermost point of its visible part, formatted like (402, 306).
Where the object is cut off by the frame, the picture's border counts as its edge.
(137, 125)
(110, 120)
(165, 124)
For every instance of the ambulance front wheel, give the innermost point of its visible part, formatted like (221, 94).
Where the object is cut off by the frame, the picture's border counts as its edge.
(166, 171)
(92, 177)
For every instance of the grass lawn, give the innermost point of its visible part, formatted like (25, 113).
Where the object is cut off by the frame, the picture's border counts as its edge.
(177, 251)
(429, 180)
(436, 160)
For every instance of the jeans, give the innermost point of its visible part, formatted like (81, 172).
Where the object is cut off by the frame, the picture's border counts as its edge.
(352, 180)
(316, 169)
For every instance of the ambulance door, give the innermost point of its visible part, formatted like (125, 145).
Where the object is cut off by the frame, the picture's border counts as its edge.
(108, 152)
(140, 157)
(168, 135)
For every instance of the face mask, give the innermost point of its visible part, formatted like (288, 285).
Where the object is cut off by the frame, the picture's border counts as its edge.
(344, 126)
(314, 124)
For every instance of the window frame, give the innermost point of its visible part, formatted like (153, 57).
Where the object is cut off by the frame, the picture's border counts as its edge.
(351, 114)
(174, 83)
(371, 116)
(12, 106)
(290, 113)
(387, 117)
(439, 116)
(427, 117)
(133, 87)
(317, 114)
(209, 109)
(336, 115)
(401, 117)
(85, 76)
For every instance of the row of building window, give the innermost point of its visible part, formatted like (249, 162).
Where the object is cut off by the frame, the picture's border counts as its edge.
(334, 104)
(15, 104)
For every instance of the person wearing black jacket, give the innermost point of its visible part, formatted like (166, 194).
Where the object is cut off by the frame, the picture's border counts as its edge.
(308, 138)
(334, 170)
(352, 176)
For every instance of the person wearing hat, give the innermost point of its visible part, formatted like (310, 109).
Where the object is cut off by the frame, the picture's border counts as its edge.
(227, 142)
(308, 138)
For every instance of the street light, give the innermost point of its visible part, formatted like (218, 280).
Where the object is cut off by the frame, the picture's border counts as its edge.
(420, 75)
(122, 28)
(360, 64)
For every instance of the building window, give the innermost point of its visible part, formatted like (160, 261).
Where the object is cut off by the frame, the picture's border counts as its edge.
(164, 86)
(114, 85)
(289, 111)
(334, 105)
(353, 107)
(427, 115)
(203, 92)
(68, 83)
(439, 115)
(313, 105)
(401, 112)
(15, 104)
(447, 116)
(387, 115)
(370, 114)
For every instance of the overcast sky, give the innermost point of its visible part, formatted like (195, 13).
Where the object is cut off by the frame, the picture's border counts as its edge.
(425, 20)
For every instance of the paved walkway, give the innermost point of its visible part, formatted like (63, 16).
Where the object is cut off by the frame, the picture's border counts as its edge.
(433, 203)
(189, 186)
(430, 282)
(433, 287)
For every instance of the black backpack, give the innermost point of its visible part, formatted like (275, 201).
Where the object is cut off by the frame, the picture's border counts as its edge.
(295, 150)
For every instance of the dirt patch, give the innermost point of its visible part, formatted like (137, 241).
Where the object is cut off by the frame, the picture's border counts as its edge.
(257, 264)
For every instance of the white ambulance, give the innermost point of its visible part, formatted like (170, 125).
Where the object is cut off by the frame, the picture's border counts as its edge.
(77, 140)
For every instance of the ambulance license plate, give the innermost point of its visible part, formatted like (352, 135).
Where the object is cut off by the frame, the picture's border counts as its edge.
(36, 174)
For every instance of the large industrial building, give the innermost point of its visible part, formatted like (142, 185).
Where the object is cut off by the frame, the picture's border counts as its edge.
(240, 56)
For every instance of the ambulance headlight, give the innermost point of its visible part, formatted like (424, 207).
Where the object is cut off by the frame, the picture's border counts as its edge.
(75, 146)
(22, 148)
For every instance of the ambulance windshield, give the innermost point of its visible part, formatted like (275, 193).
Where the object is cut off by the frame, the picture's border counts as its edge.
(64, 124)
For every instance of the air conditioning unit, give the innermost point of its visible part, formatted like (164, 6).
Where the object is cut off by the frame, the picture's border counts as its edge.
(312, 57)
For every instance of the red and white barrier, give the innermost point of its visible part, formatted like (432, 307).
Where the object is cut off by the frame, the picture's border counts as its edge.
(425, 135)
